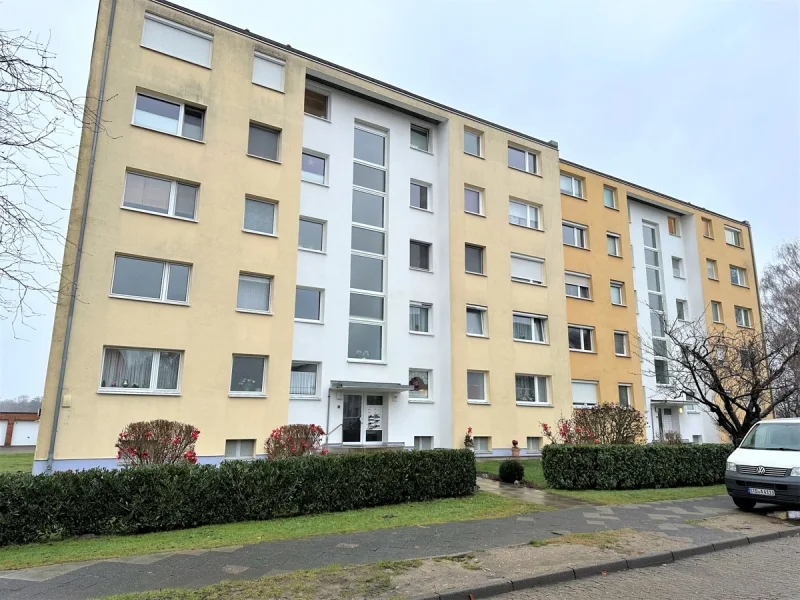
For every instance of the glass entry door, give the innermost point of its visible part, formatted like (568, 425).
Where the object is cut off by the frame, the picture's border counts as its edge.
(374, 425)
(351, 418)
(356, 429)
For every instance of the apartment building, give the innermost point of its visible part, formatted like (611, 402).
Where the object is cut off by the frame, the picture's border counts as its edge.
(268, 238)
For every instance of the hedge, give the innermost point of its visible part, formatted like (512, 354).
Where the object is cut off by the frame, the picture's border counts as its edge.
(625, 467)
(166, 497)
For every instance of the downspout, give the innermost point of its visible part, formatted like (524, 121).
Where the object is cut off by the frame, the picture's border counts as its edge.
(328, 420)
(81, 236)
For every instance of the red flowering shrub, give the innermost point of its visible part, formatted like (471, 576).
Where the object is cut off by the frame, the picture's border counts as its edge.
(567, 432)
(294, 440)
(157, 442)
(468, 441)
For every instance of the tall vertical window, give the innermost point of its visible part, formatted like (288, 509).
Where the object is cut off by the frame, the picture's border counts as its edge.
(613, 244)
(624, 391)
(609, 197)
(473, 142)
(618, 293)
(174, 39)
(656, 303)
(708, 228)
(674, 225)
(159, 196)
(473, 201)
(682, 310)
(531, 389)
(677, 267)
(711, 269)
(716, 312)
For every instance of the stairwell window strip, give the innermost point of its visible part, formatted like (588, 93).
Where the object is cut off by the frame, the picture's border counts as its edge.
(531, 389)
(150, 280)
(141, 371)
(172, 117)
(176, 40)
(656, 301)
(529, 328)
(160, 196)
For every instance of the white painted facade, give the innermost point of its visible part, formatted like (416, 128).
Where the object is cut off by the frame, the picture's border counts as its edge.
(327, 342)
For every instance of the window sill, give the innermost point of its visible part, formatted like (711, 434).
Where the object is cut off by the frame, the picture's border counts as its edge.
(474, 155)
(155, 214)
(474, 214)
(582, 351)
(615, 255)
(744, 326)
(708, 237)
(622, 355)
(151, 300)
(535, 404)
(427, 333)
(323, 119)
(420, 401)
(612, 207)
(622, 305)
(481, 402)
(744, 287)
(418, 270)
(173, 135)
(717, 322)
(425, 210)
(265, 313)
(428, 152)
(312, 398)
(577, 247)
(366, 362)
(677, 235)
(135, 392)
(563, 193)
(253, 231)
(580, 298)
(269, 160)
(309, 321)
(713, 279)
(323, 184)
(312, 250)
(524, 171)
(678, 276)
(526, 227)
(528, 282)
(531, 342)
(474, 273)
(478, 335)
(245, 395)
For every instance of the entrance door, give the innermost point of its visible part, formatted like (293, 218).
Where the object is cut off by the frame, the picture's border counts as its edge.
(351, 418)
(667, 421)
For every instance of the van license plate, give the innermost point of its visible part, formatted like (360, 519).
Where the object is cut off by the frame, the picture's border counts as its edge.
(760, 491)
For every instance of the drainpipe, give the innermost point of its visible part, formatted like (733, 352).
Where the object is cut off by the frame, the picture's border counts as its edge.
(81, 236)
(328, 420)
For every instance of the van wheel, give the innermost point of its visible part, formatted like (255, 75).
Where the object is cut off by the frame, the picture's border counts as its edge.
(744, 503)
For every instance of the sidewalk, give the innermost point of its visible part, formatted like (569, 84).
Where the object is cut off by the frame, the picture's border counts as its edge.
(74, 581)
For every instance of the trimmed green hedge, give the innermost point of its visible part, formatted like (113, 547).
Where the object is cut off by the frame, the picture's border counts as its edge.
(625, 467)
(165, 497)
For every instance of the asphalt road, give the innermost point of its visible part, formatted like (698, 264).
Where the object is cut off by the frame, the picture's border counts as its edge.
(768, 570)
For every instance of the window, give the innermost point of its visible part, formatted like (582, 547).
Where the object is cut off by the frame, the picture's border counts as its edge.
(177, 40)
(423, 442)
(716, 312)
(254, 293)
(617, 293)
(365, 341)
(580, 338)
(308, 304)
(660, 352)
(624, 391)
(368, 209)
(531, 389)
(682, 310)
(743, 317)
(578, 285)
(247, 375)
(473, 201)
(674, 226)
(476, 387)
(692, 408)
(169, 117)
(312, 235)
(534, 445)
(574, 235)
(609, 197)
(259, 216)
(523, 214)
(733, 236)
(263, 142)
(366, 306)
(571, 185)
(144, 278)
(420, 138)
(419, 195)
(697, 439)
(369, 177)
(304, 379)
(747, 356)
(476, 320)
(472, 142)
(527, 269)
(738, 276)
(711, 269)
(473, 259)
(523, 160)
(315, 104)
(419, 315)
(719, 352)
(708, 228)
(141, 371)
(419, 379)
(621, 343)
(529, 328)
(240, 449)
(584, 393)
(268, 71)
(482, 443)
(313, 168)
(420, 256)
(613, 244)
(677, 267)
(369, 146)
(160, 196)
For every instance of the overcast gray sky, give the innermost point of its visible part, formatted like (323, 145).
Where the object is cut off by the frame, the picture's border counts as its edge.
(696, 99)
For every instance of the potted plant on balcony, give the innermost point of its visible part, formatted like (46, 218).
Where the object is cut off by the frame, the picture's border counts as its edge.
(514, 448)
(468, 441)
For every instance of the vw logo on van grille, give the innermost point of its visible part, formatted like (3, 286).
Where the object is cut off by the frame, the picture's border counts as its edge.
(761, 470)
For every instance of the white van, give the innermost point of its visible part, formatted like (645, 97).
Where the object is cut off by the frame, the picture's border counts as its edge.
(766, 466)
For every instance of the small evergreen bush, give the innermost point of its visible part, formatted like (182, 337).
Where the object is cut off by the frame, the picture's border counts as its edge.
(511, 471)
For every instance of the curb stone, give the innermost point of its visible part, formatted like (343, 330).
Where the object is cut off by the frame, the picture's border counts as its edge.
(650, 560)
(730, 543)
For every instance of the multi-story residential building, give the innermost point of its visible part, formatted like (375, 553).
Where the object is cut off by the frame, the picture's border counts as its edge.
(259, 236)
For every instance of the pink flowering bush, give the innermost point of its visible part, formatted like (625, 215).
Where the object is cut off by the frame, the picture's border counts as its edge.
(157, 442)
(295, 440)
(567, 432)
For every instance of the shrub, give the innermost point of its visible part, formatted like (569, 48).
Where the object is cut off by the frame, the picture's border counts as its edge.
(567, 432)
(671, 437)
(158, 442)
(511, 471)
(294, 440)
(167, 497)
(611, 423)
(623, 467)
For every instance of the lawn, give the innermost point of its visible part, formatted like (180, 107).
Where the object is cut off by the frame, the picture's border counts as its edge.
(10, 462)
(533, 473)
(480, 506)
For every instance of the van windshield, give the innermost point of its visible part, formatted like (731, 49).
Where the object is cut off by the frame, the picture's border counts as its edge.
(773, 436)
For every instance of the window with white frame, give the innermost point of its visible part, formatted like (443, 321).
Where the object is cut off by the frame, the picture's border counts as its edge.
(473, 142)
(624, 391)
(527, 269)
(711, 269)
(420, 255)
(617, 293)
(419, 317)
(581, 339)
(621, 343)
(420, 193)
(692, 408)
(482, 443)
(259, 216)
(308, 304)
(315, 103)
(674, 226)
(254, 293)
(708, 228)
(733, 236)
(263, 142)
(584, 393)
(571, 185)
(421, 138)
(314, 167)
(523, 214)
(473, 259)
(476, 320)
(682, 310)
(677, 267)
(311, 235)
(304, 380)
(175, 118)
(529, 328)
(523, 160)
(531, 389)
(419, 379)
(240, 449)
(368, 208)
(179, 41)
(744, 317)
(476, 386)
(574, 235)
(148, 279)
(613, 244)
(473, 200)
(534, 445)
(716, 312)
(248, 375)
(140, 371)
(160, 196)
(738, 276)
(609, 197)
(268, 71)
(423, 442)
(578, 285)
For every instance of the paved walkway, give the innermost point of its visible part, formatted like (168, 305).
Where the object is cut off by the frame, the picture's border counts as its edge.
(198, 568)
(532, 495)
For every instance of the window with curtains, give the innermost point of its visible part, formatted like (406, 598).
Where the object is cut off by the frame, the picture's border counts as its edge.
(140, 371)
(419, 317)
(529, 328)
(523, 214)
(527, 269)
(160, 196)
(304, 379)
(259, 216)
(254, 293)
(268, 71)
(531, 389)
(419, 379)
(147, 279)
(174, 39)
